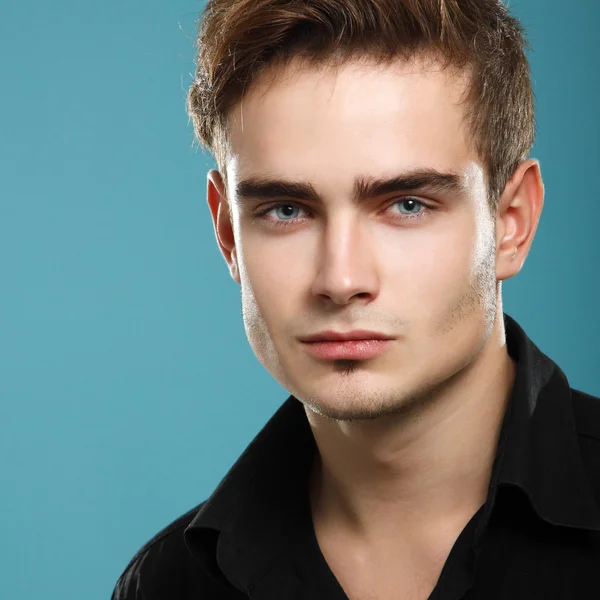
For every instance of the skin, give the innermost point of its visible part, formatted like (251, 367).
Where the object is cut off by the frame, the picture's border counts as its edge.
(406, 440)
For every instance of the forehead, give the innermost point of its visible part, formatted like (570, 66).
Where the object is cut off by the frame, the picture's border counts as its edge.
(328, 125)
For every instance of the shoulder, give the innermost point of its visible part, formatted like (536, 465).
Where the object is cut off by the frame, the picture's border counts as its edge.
(586, 410)
(163, 568)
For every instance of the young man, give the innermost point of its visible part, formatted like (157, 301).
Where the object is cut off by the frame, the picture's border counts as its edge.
(374, 191)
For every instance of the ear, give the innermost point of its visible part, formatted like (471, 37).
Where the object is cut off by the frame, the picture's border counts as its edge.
(219, 210)
(517, 218)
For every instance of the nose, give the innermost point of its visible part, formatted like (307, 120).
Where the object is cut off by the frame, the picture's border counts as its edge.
(347, 263)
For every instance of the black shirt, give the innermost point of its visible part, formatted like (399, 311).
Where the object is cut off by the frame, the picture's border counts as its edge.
(536, 537)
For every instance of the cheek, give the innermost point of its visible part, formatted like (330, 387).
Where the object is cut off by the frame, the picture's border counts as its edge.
(277, 271)
(431, 264)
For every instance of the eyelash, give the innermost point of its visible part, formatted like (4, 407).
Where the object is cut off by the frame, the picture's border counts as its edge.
(289, 222)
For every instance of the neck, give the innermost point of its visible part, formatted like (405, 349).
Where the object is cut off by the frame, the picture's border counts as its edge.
(419, 471)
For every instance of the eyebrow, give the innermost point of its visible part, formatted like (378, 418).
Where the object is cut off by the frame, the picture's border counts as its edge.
(418, 180)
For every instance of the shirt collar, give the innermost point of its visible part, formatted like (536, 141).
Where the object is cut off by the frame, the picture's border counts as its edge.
(265, 494)
(538, 449)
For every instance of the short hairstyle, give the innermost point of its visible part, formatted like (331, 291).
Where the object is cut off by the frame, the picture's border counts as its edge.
(240, 39)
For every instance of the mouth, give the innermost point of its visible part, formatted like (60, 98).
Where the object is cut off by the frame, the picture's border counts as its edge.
(338, 336)
(354, 349)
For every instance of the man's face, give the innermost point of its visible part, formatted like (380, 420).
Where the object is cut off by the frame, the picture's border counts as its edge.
(307, 266)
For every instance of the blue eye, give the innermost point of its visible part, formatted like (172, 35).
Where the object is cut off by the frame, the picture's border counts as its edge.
(283, 214)
(410, 203)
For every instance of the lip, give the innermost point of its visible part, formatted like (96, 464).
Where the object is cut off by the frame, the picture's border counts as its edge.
(347, 349)
(336, 336)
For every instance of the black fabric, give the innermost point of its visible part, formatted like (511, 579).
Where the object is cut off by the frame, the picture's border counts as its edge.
(536, 537)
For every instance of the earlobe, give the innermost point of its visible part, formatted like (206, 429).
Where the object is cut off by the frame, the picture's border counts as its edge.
(233, 266)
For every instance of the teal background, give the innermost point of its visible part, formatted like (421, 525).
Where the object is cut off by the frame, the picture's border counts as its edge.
(127, 385)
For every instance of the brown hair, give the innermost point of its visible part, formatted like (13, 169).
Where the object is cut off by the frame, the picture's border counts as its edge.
(240, 39)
